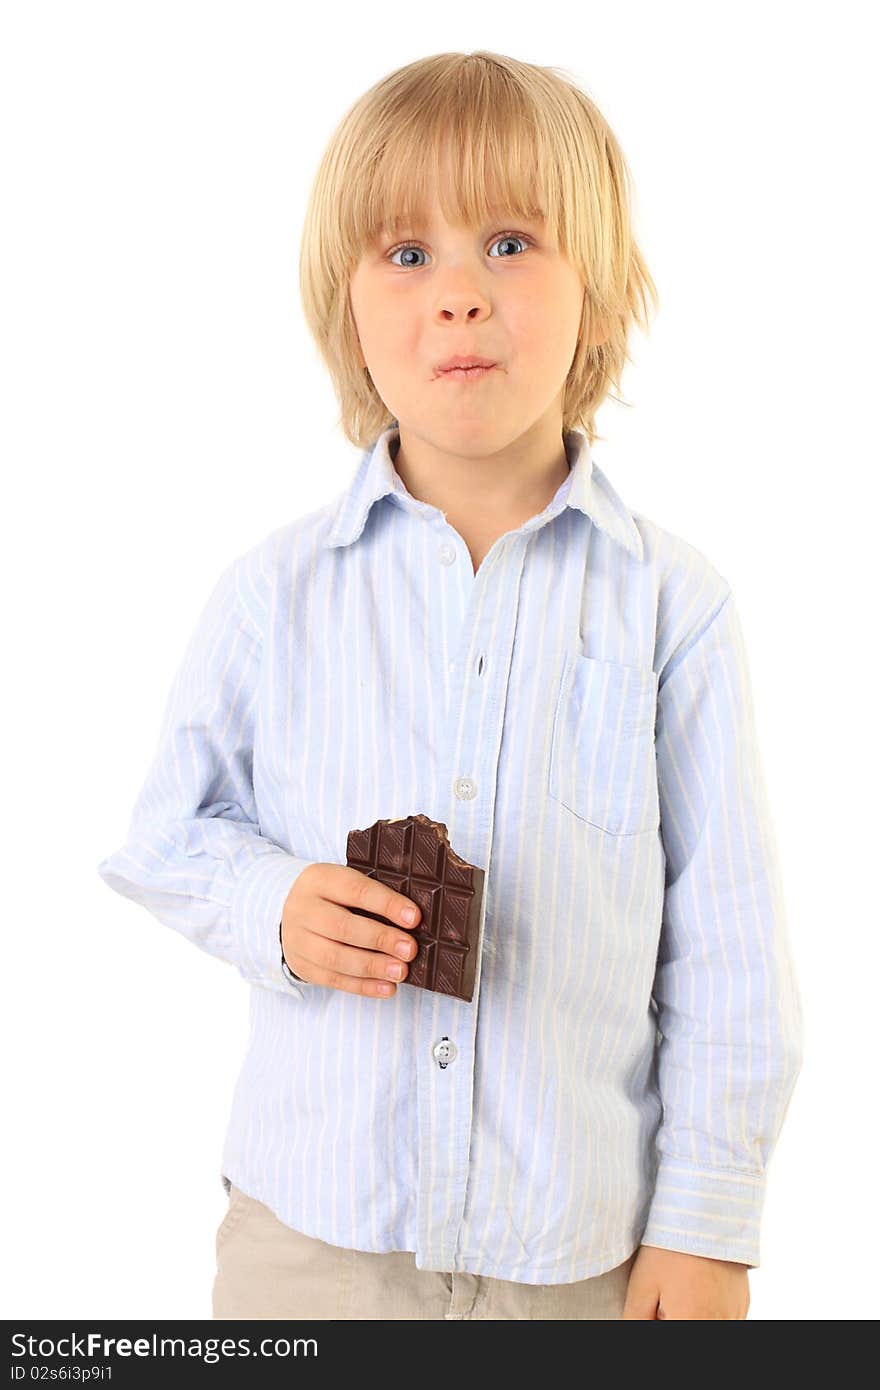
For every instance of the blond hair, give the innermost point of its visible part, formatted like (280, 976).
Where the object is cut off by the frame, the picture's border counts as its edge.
(522, 135)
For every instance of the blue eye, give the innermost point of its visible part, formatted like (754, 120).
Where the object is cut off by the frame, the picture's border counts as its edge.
(417, 246)
(512, 236)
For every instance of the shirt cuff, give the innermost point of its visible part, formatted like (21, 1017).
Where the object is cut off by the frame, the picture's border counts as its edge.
(706, 1211)
(294, 979)
(257, 909)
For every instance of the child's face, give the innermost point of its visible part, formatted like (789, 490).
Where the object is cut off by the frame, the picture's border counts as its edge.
(468, 291)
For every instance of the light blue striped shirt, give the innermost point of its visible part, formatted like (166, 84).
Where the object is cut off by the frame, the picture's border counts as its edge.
(579, 715)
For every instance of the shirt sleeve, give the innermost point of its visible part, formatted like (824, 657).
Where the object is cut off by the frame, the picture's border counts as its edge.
(194, 855)
(728, 1002)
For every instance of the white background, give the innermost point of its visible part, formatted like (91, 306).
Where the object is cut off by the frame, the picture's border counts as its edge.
(165, 408)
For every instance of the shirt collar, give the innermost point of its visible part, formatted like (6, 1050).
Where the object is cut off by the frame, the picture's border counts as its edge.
(586, 488)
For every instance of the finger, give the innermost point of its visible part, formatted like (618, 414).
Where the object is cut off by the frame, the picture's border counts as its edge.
(368, 899)
(326, 958)
(367, 894)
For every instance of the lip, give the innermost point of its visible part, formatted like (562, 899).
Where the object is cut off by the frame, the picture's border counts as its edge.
(462, 364)
(465, 368)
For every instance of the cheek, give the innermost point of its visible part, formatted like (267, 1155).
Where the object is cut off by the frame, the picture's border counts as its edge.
(542, 316)
(543, 340)
(393, 326)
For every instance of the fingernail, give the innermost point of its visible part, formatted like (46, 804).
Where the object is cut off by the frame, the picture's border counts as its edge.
(402, 949)
(409, 914)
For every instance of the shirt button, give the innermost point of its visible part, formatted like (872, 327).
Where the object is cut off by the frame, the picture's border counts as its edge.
(444, 1052)
(447, 554)
(465, 789)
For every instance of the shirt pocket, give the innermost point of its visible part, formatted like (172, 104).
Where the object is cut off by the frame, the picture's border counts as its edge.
(602, 758)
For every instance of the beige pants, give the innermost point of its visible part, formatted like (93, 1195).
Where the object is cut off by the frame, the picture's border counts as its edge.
(267, 1270)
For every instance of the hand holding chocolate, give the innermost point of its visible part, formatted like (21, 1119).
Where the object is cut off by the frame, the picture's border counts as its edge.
(413, 856)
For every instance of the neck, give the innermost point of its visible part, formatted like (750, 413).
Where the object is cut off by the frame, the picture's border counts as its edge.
(517, 481)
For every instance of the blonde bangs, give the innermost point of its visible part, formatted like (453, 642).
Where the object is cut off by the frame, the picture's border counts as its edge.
(480, 158)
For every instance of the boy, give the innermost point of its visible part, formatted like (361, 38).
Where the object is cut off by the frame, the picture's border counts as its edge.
(479, 629)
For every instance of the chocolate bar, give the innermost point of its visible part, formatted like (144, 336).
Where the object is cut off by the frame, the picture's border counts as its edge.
(413, 856)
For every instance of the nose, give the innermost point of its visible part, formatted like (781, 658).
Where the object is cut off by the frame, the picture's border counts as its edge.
(469, 314)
